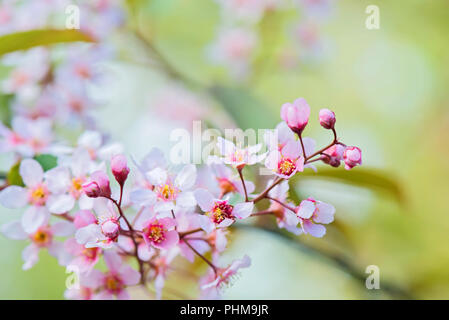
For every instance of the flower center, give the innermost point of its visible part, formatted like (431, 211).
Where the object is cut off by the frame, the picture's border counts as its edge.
(113, 283)
(226, 186)
(39, 195)
(166, 192)
(77, 187)
(221, 210)
(42, 237)
(286, 167)
(90, 253)
(155, 232)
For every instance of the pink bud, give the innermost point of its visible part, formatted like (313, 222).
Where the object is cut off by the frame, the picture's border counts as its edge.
(119, 168)
(296, 115)
(334, 155)
(110, 228)
(84, 218)
(352, 157)
(327, 119)
(91, 189)
(102, 181)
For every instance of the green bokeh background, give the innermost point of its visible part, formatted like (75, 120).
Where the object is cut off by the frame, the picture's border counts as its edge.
(389, 89)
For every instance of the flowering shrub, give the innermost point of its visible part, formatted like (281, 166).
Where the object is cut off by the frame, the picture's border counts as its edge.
(171, 215)
(150, 213)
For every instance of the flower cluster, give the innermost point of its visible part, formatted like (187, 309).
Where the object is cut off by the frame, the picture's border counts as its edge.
(48, 87)
(141, 218)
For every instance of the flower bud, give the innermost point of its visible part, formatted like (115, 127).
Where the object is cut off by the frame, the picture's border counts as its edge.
(110, 228)
(91, 189)
(327, 118)
(119, 168)
(352, 157)
(102, 183)
(334, 155)
(296, 115)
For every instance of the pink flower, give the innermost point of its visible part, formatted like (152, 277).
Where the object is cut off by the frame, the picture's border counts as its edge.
(327, 118)
(119, 168)
(219, 213)
(334, 155)
(41, 238)
(160, 233)
(235, 156)
(313, 214)
(104, 232)
(167, 193)
(84, 258)
(66, 181)
(114, 282)
(296, 115)
(352, 157)
(225, 276)
(288, 161)
(229, 182)
(35, 193)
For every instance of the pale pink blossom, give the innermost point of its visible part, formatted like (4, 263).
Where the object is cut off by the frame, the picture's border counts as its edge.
(160, 233)
(105, 231)
(288, 161)
(313, 214)
(41, 238)
(166, 192)
(114, 282)
(35, 193)
(236, 156)
(84, 258)
(219, 213)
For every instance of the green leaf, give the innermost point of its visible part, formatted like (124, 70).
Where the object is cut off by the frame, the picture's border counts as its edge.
(47, 161)
(13, 177)
(374, 179)
(245, 108)
(5, 110)
(34, 38)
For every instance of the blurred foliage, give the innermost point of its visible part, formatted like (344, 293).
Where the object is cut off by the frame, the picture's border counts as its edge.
(47, 161)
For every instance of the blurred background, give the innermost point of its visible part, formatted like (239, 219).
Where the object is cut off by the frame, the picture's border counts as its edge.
(388, 88)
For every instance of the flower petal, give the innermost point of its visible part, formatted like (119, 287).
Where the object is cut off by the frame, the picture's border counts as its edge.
(13, 230)
(13, 197)
(306, 209)
(60, 204)
(58, 179)
(205, 199)
(243, 210)
(31, 172)
(34, 217)
(63, 229)
(186, 178)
